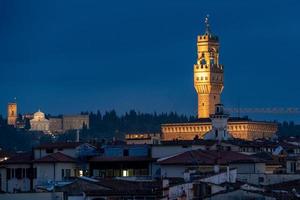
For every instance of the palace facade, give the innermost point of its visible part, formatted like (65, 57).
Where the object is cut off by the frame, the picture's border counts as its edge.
(238, 128)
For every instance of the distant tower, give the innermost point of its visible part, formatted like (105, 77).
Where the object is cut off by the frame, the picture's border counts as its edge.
(208, 73)
(12, 113)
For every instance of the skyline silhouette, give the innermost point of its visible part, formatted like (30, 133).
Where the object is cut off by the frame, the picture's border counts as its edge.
(65, 57)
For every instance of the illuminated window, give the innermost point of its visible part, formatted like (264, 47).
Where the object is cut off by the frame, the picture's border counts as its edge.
(125, 173)
(80, 172)
(206, 78)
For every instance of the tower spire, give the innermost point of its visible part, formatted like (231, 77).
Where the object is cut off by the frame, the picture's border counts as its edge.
(207, 26)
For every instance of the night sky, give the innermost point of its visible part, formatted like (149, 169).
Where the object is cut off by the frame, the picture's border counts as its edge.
(67, 56)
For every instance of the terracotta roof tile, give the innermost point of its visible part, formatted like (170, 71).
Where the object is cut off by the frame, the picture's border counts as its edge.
(189, 142)
(59, 145)
(120, 158)
(202, 157)
(4, 154)
(55, 157)
(20, 158)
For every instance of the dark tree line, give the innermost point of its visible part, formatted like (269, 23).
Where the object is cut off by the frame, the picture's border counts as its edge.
(109, 124)
(102, 127)
(12, 139)
(105, 126)
(287, 129)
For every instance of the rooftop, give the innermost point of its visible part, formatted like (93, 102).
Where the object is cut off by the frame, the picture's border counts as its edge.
(188, 142)
(20, 158)
(4, 154)
(111, 187)
(65, 145)
(203, 157)
(55, 157)
(230, 120)
(120, 158)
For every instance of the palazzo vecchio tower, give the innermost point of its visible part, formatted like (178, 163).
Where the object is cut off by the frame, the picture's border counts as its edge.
(208, 73)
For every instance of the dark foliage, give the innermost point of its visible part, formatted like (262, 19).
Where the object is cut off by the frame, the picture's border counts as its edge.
(102, 126)
(107, 126)
(110, 125)
(287, 129)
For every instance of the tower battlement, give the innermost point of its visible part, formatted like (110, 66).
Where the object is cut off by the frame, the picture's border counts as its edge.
(206, 38)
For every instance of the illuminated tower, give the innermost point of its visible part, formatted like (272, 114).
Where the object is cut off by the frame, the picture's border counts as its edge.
(208, 73)
(12, 113)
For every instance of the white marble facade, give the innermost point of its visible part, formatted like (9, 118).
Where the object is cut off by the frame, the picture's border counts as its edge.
(39, 122)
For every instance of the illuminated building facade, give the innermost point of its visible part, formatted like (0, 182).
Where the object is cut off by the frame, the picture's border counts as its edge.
(68, 122)
(74, 122)
(39, 122)
(208, 82)
(238, 128)
(208, 73)
(12, 114)
(143, 138)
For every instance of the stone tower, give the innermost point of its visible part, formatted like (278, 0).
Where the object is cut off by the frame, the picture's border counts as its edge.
(12, 113)
(208, 73)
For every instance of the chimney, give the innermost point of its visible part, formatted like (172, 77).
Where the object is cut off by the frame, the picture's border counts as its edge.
(228, 175)
(77, 135)
(216, 168)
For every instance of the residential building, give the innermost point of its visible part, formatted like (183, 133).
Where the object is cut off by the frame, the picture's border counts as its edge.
(208, 160)
(45, 166)
(90, 188)
(122, 161)
(143, 138)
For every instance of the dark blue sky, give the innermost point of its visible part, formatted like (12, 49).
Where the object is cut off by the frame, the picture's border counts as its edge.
(66, 56)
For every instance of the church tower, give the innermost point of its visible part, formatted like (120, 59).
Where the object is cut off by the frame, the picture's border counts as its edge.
(208, 73)
(12, 113)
